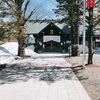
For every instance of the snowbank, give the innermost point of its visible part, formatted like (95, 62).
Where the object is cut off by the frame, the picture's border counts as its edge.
(4, 52)
(6, 56)
(8, 52)
(12, 47)
(29, 51)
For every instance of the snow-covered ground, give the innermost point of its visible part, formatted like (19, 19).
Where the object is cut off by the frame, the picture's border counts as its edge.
(8, 55)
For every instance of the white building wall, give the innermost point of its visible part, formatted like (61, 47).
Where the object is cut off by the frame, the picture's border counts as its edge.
(53, 38)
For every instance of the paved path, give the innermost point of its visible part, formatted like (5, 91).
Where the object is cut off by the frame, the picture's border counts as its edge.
(29, 85)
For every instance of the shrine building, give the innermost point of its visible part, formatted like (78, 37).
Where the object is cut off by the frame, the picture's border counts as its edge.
(48, 36)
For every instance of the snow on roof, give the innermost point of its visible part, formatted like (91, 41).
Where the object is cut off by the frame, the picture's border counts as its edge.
(36, 27)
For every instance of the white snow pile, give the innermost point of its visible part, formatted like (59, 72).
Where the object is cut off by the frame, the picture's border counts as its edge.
(29, 51)
(8, 52)
(6, 56)
(11, 47)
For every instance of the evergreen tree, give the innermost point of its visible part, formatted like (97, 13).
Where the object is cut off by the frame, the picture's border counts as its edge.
(70, 10)
(3, 32)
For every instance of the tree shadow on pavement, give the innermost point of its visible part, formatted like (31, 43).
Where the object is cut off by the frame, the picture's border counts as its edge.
(15, 73)
(78, 71)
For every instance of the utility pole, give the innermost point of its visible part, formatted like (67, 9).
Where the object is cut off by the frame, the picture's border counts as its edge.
(90, 5)
(84, 23)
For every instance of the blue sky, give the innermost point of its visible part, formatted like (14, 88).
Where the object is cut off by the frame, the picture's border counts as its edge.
(44, 8)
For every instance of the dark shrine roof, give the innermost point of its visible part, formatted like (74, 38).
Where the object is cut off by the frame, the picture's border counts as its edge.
(34, 27)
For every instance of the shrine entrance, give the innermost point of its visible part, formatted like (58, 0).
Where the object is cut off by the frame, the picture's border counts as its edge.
(52, 46)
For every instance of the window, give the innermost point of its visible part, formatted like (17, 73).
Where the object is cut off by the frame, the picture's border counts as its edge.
(51, 31)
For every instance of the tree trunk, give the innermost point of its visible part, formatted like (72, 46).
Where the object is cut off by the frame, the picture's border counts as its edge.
(90, 37)
(21, 46)
(75, 41)
(90, 46)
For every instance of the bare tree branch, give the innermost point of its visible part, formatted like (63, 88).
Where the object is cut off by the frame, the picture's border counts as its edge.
(33, 12)
(97, 2)
(10, 5)
(26, 5)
